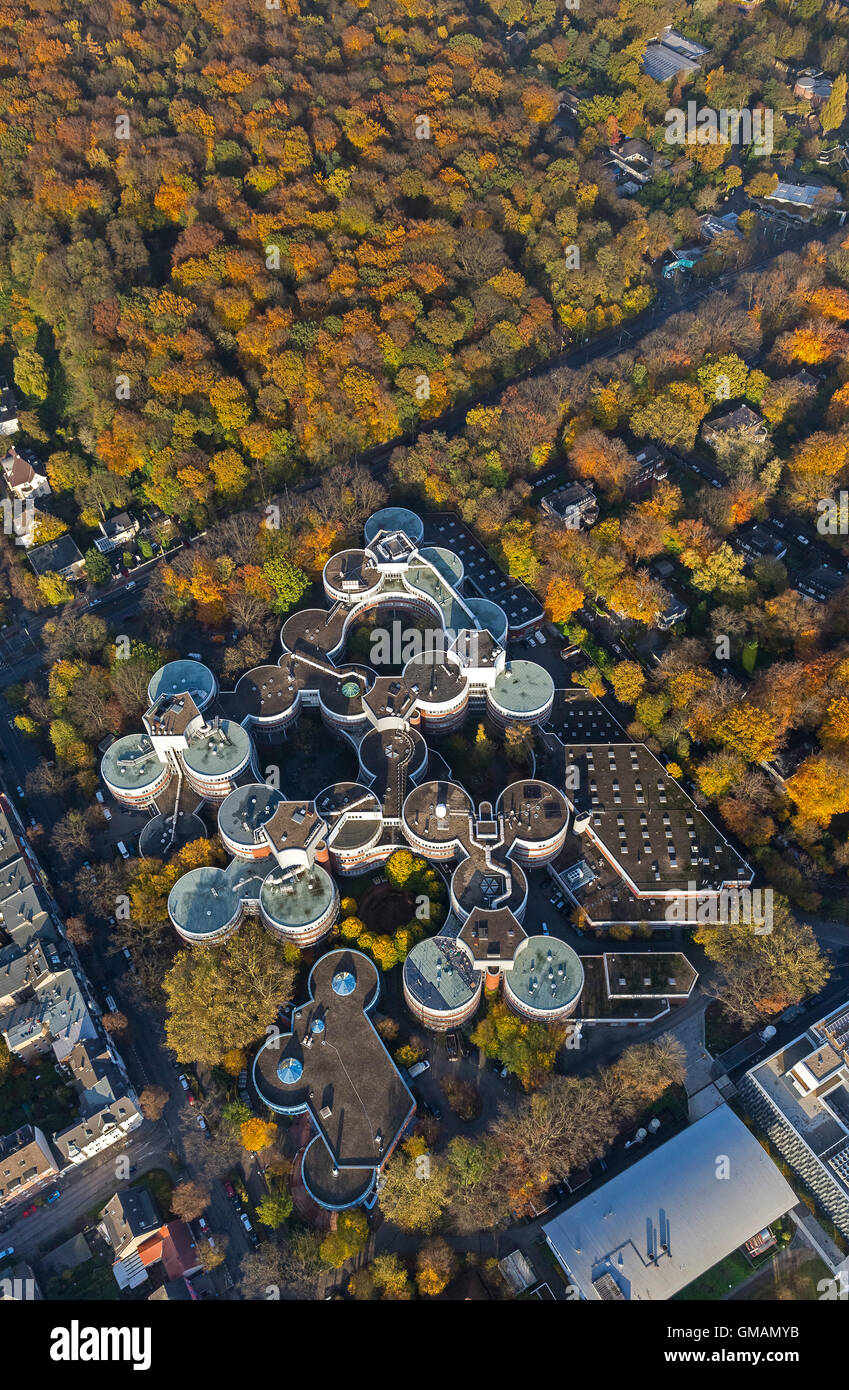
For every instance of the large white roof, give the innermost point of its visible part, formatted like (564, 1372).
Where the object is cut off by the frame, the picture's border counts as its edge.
(676, 1197)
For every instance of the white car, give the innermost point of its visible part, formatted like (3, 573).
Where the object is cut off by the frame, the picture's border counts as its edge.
(417, 1068)
(184, 1081)
(243, 1217)
(203, 1125)
(107, 814)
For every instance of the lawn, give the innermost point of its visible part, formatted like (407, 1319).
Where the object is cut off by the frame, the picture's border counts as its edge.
(161, 1189)
(93, 1280)
(797, 1284)
(37, 1095)
(715, 1283)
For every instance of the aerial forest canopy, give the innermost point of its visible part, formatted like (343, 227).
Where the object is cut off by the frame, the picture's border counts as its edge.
(240, 240)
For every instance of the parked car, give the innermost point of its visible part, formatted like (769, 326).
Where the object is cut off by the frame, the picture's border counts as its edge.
(126, 952)
(107, 814)
(245, 1220)
(427, 1106)
(122, 849)
(204, 1225)
(30, 1211)
(545, 929)
(98, 796)
(190, 1098)
(54, 1197)
(231, 1192)
(4, 1254)
(184, 1081)
(20, 791)
(131, 585)
(452, 1047)
(417, 1068)
(203, 1125)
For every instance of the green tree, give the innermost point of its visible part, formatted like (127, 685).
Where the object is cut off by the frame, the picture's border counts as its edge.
(287, 580)
(274, 1209)
(347, 1240)
(226, 996)
(97, 567)
(833, 111)
(528, 1050)
(31, 374)
(416, 1187)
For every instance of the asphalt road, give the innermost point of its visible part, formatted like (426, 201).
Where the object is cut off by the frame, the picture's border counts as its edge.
(85, 1189)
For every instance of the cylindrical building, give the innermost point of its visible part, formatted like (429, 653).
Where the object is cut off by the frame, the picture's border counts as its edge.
(442, 989)
(183, 677)
(133, 771)
(546, 980)
(522, 694)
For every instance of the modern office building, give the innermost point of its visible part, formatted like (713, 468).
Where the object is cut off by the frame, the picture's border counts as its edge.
(799, 1098)
(334, 1067)
(445, 976)
(640, 841)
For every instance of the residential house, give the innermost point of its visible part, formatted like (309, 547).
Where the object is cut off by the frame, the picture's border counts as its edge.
(128, 1219)
(26, 1163)
(654, 1228)
(671, 54)
(132, 1227)
(569, 99)
(108, 1108)
(573, 506)
(651, 467)
(20, 972)
(23, 918)
(8, 409)
(820, 583)
(53, 1016)
(61, 556)
(636, 164)
(116, 531)
(711, 225)
(758, 542)
(742, 418)
(24, 476)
